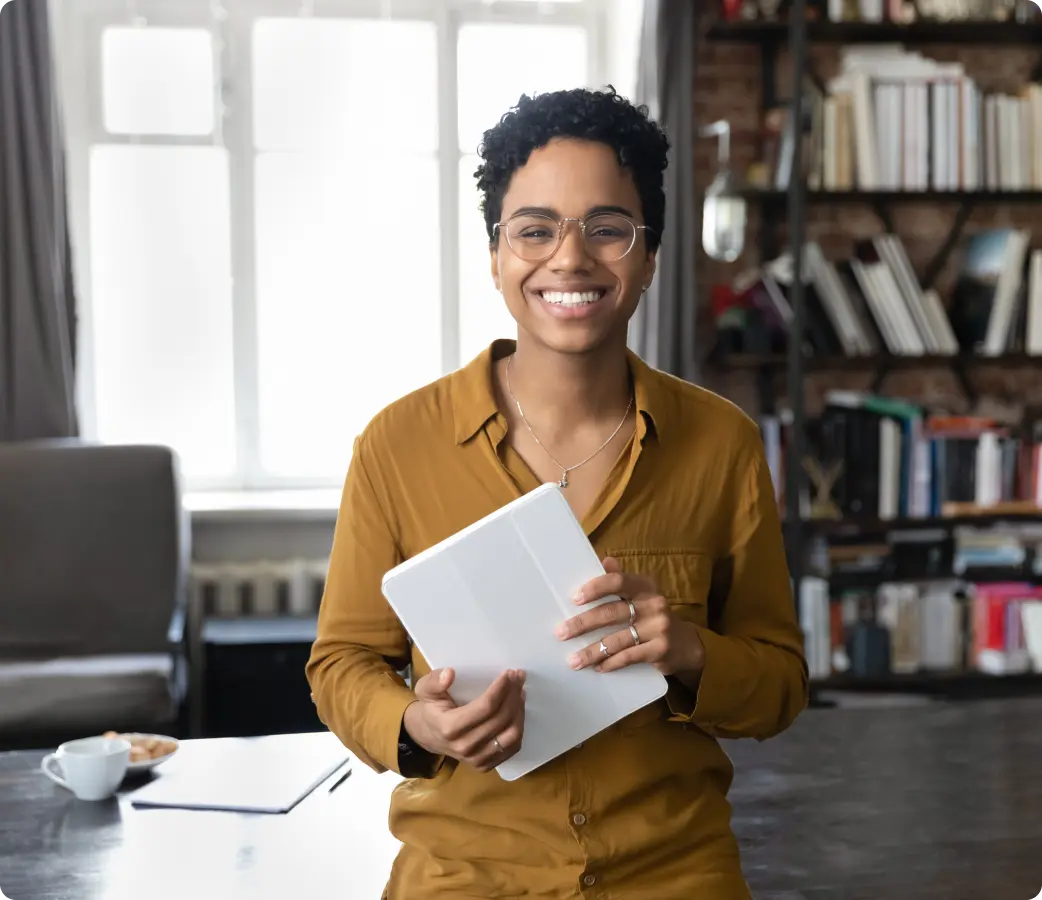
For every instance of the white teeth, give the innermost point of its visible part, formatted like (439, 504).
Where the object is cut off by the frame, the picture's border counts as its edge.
(572, 298)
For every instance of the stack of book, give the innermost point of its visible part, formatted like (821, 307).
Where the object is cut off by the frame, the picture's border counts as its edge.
(896, 120)
(895, 459)
(872, 304)
(940, 628)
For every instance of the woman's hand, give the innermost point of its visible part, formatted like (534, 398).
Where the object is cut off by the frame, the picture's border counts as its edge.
(483, 733)
(648, 632)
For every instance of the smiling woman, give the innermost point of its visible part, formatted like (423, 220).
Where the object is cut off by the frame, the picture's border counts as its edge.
(671, 485)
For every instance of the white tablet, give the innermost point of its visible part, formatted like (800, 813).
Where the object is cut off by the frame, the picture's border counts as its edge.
(488, 599)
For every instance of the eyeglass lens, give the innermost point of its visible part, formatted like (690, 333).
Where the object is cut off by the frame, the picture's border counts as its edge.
(608, 237)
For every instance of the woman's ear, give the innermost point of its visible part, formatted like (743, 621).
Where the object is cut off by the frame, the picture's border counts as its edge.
(649, 270)
(494, 267)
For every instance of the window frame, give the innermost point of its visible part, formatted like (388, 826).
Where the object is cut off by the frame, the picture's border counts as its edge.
(79, 26)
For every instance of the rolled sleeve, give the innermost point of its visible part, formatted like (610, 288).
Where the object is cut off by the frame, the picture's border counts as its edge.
(353, 669)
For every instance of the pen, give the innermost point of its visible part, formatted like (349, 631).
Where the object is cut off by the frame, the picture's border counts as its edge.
(340, 781)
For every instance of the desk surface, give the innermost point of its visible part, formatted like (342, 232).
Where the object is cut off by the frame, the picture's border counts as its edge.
(54, 847)
(938, 802)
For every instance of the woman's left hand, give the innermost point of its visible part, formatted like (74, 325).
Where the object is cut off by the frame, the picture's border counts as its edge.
(662, 639)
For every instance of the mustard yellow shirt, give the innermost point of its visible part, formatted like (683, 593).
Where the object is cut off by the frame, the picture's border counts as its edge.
(640, 811)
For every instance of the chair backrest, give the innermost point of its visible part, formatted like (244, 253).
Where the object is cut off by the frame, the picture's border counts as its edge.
(93, 549)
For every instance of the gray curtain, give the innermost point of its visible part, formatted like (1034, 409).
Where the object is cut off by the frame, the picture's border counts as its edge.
(663, 330)
(37, 300)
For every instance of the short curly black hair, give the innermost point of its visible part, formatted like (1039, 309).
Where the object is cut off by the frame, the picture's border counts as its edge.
(639, 143)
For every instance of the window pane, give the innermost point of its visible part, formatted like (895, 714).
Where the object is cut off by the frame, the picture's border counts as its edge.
(483, 315)
(499, 63)
(349, 301)
(161, 301)
(157, 80)
(339, 84)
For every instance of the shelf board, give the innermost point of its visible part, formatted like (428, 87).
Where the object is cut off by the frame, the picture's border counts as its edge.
(985, 31)
(762, 195)
(778, 361)
(854, 526)
(958, 683)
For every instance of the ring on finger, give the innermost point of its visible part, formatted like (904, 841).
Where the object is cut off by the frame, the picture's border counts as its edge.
(636, 637)
(499, 746)
(633, 612)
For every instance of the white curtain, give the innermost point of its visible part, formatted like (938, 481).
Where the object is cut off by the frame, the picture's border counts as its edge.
(663, 330)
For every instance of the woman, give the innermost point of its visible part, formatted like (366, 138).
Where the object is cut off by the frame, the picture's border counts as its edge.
(670, 483)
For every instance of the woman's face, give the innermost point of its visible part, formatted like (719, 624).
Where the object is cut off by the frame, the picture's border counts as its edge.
(575, 300)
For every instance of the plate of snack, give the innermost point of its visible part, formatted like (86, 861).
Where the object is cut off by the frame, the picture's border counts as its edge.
(146, 750)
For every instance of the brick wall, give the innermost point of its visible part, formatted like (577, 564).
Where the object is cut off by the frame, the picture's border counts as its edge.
(728, 86)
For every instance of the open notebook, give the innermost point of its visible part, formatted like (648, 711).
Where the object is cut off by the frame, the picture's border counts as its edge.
(257, 775)
(489, 597)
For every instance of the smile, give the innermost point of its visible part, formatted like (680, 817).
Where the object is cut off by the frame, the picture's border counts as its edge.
(571, 298)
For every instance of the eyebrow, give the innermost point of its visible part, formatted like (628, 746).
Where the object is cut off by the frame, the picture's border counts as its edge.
(549, 211)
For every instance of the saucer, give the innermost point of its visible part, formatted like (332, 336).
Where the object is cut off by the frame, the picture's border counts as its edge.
(152, 743)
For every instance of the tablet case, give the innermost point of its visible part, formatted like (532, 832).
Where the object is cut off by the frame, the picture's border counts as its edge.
(488, 599)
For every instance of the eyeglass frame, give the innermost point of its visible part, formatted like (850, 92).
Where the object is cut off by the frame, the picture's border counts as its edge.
(560, 232)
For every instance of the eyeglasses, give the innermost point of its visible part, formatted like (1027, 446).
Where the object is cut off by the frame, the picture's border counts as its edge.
(608, 236)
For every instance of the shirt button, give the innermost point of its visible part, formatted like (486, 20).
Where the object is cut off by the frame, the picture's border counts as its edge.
(589, 880)
(579, 819)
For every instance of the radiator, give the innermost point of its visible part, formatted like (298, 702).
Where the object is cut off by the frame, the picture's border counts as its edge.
(259, 588)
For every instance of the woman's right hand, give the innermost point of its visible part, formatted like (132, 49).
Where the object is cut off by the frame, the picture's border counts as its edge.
(483, 733)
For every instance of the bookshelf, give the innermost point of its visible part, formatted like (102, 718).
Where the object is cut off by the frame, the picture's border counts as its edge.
(794, 35)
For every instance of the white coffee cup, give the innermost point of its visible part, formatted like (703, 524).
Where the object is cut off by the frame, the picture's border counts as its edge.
(93, 767)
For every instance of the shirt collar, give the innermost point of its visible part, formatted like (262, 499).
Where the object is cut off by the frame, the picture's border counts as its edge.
(474, 397)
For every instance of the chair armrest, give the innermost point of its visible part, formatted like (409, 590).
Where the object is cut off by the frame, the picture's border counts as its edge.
(177, 633)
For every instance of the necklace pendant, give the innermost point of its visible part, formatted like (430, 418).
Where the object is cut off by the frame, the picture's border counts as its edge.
(564, 480)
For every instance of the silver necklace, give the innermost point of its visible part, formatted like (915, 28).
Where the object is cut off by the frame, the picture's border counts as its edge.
(564, 469)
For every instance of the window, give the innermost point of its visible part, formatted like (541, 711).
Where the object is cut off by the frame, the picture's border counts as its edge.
(275, 213)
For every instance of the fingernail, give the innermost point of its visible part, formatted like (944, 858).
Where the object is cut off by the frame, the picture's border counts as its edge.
(578, 598)
(575, 661)
(561, 631)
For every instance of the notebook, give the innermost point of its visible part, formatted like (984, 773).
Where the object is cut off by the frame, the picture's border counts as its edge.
(256, 775)
(488, 599)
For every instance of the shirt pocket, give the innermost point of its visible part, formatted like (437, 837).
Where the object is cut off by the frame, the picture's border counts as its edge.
(684, 579)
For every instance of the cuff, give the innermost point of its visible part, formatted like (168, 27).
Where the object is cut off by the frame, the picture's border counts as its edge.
(413, 760)
(721, 681)
(680, 699)
(385, 725)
